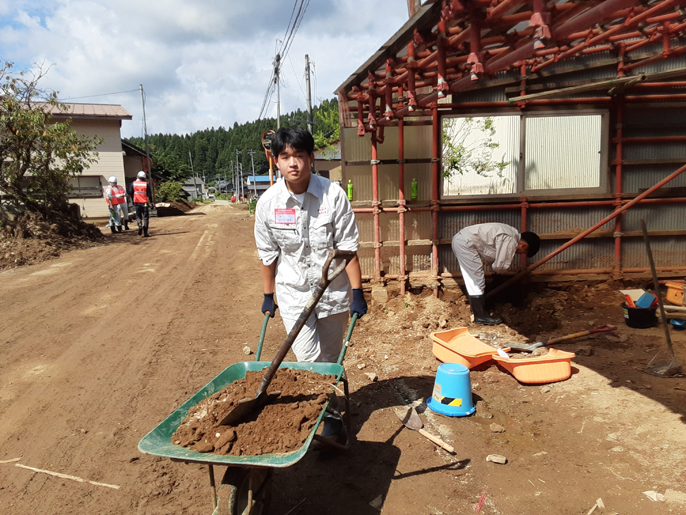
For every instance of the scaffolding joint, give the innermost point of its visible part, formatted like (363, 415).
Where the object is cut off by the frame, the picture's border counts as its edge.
(617, 234)
(375, 162)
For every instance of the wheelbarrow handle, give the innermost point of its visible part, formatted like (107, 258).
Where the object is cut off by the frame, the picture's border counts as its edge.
(344, 349)
(258, 353)
(326, 279)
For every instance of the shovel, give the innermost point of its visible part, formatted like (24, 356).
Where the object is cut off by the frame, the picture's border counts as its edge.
(247, 405)
(672, 367)
(529, 348)
(411, 420)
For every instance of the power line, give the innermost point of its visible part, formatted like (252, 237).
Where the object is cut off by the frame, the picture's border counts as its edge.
(101, 95)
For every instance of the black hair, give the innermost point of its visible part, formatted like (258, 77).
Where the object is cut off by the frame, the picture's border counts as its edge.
(534, 243)
(295, 137)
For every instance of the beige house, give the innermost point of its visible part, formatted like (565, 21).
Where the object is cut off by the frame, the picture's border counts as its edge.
(103, 121)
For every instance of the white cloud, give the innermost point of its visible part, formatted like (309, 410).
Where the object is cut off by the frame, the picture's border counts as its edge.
(203, 63)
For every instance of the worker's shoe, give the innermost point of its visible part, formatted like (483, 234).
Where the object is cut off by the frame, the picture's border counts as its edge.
(140, 230)
(118, 228)
(114, 231)
(481, 316)
(126, 227)
(145, 233)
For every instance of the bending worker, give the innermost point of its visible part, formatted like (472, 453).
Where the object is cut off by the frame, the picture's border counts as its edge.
(495, 244)
(141, 193)
(112, 199)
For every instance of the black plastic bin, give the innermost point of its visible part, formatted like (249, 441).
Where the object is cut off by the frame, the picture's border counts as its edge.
(639, 318)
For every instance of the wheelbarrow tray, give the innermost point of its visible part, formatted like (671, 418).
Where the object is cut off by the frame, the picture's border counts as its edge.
(158, 441)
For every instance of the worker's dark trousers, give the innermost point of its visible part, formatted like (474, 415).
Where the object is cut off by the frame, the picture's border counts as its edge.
(142, 215)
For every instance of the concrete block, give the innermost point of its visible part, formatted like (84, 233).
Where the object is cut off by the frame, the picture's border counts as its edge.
(379, 295)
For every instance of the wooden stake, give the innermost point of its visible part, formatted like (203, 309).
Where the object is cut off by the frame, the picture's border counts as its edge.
(65, 476)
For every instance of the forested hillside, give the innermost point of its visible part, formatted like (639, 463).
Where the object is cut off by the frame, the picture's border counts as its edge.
(214, 150)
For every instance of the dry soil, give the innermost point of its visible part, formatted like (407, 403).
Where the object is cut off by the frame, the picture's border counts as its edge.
(101, 344)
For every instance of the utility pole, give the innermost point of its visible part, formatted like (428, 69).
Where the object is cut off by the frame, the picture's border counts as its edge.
(239, 192)
(309, 93)
(277, 71)
(148, 165)
(195, 184)
(254, 181)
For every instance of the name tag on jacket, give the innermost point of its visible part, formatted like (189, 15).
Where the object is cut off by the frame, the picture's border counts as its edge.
(284, 216)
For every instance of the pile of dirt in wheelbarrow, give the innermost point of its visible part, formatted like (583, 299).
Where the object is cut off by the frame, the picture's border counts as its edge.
(281, 426)
(31, 238)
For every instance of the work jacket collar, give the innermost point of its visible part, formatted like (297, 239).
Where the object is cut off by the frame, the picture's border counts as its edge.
(313, 188)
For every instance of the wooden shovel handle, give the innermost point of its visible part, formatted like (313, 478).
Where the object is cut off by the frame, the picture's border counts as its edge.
(437, 441)
(602, 329)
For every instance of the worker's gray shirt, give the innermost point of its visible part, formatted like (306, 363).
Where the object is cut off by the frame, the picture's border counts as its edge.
(300, 237)
(495, 243)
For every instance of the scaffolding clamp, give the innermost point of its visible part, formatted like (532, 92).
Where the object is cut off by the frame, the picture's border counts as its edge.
(377, 207)
(378, 244)
(375, 162)
(435, 206)
(401, 161)
(435, 159)
(617, 234)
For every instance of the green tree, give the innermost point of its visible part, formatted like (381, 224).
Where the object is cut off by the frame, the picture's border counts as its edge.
(468, 145)
(38, 154)
(169, 191)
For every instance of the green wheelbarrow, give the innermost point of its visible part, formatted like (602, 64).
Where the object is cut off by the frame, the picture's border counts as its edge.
(245, 486)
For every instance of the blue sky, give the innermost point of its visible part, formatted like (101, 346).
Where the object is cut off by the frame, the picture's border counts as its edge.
(203, 64)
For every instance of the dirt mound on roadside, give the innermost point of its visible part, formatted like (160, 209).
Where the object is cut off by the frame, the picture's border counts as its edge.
(283, 425)
(173, 208)
(30, 238)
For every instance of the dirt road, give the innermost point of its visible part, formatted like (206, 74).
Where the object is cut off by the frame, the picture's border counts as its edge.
(102, 344)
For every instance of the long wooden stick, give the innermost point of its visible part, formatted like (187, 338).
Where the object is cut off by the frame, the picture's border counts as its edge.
(65, 476)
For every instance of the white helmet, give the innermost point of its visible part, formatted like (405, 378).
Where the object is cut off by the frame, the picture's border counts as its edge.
(112, 179)
(141, 175)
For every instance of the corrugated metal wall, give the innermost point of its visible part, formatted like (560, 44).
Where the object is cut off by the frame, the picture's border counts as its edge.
(558, 160)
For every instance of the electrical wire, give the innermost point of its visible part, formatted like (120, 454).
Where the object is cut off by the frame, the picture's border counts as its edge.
(296, 76)
(100, 95)
(297, 15)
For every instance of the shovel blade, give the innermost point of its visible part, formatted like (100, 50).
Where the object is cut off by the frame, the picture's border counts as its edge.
(409, 418)
(239, 411)
(246, 406)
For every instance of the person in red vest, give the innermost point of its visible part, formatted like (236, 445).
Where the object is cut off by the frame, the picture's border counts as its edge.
(112, 200)
(123, 206)
(141, 193)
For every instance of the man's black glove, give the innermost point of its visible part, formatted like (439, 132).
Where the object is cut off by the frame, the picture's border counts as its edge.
(359, 305)
(269, 305)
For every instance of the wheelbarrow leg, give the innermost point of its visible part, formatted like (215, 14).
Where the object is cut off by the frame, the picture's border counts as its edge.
(244, 491)
(348, 415)
(214, 488)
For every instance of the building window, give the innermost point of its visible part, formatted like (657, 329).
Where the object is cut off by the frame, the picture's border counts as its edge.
(531, 154)
(85, 186)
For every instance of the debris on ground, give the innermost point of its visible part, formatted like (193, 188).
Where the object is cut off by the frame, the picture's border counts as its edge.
(173, 208)
(30, 238)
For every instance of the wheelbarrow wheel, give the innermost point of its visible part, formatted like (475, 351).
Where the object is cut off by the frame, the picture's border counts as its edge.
(234, 492)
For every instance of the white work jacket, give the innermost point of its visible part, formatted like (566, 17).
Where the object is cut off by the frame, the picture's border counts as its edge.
(300, 237)
(495, 243)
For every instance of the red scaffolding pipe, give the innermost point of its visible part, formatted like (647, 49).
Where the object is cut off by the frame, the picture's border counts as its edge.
(375, 203)
(434, 195)
(618, 189)
(401, 201)
(571, 242)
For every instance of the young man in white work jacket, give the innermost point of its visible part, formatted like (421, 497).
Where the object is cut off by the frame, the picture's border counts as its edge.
(297, 222)
(495, 244)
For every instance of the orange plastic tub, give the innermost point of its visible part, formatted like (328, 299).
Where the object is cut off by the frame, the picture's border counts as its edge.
(458, 346)
(551, 368)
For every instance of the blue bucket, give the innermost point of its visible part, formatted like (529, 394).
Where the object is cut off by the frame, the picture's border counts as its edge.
(452, 395)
